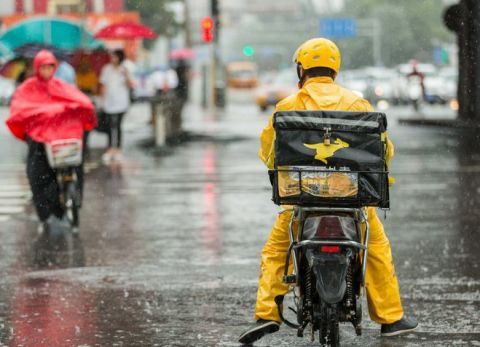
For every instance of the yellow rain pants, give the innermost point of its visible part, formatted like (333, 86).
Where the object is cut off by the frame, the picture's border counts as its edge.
(383, 294)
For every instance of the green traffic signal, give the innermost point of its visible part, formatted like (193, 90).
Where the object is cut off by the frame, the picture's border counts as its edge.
(248, 51)
(445, 56)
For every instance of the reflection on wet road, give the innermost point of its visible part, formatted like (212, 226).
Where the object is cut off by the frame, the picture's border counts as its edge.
(168, 252)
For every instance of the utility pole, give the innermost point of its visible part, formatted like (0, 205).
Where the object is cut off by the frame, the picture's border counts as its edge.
(212, 90)
(215, 58)
(464, 19)
(186, 24)
(377, 43)
(372, 28)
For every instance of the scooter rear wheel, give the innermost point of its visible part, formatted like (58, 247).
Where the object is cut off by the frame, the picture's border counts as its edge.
(330, 336)
(329, 332)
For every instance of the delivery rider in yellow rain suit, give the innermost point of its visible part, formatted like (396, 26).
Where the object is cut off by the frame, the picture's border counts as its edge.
(318, 63)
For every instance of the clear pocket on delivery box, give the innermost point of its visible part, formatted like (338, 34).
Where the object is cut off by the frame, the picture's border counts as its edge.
(316, 181)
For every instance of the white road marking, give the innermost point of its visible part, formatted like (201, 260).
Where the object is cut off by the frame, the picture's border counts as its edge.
(14, 191)
(13, 187)
(12, 202)
(11, 209)
(15, 194)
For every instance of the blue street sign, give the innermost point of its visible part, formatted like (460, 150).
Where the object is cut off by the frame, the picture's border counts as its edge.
(437, 55)
(338, 28)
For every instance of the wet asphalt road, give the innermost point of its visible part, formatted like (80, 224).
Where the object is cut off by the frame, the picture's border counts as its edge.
(168, 253)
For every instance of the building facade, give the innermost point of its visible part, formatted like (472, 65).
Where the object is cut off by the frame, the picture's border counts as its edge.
(55, 7)
(96, 13)
(93, 15)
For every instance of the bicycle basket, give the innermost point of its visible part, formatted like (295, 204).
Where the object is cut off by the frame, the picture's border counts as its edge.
(64, 153)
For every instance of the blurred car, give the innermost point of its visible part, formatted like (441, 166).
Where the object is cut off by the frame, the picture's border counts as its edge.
(267, 76)
(379, 84)
(355, 80)
(283, 84)
(371, 83)
(7, 88)
(449, 80)
(242, 74)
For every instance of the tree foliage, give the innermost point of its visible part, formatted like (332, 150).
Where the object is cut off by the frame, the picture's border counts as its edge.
(155, 14)
(409, 29)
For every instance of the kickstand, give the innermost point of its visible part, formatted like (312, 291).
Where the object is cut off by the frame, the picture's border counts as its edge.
(301, 329)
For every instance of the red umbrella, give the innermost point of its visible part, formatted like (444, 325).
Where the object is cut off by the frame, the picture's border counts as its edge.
(182, 54)
(126, 31)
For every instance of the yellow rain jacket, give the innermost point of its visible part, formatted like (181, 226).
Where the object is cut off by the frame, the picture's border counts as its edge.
(383, 296)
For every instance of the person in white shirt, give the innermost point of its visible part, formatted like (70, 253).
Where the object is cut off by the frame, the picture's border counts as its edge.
(115, 83)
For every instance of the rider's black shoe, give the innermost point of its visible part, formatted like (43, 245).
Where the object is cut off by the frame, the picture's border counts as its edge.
(258, 330)
(402, 326)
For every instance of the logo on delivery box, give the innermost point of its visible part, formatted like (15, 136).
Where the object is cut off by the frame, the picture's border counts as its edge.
(327, 150)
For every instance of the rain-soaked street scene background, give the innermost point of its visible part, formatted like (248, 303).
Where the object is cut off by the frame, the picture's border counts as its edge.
(168, 248)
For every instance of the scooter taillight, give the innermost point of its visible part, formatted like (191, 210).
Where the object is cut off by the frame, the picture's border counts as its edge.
(330, 249)
(330, 227)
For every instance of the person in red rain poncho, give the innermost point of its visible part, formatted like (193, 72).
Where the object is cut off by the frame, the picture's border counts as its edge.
(44, 109)
(416, 73)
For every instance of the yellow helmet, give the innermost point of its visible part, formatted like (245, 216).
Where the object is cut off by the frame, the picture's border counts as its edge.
(318, 52)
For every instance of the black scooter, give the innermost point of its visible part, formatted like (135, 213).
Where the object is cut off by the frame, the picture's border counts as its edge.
(329, 255)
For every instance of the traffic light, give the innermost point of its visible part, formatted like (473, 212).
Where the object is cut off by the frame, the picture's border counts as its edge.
(207, 29)
(248, 51)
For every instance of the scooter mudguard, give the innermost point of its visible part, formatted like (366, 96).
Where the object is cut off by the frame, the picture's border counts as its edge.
(330, 271)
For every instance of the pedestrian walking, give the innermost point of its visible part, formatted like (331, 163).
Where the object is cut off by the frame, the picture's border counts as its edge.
(182, 90)
(115, 83)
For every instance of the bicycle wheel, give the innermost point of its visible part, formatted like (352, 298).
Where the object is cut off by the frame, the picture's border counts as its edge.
(71, 204)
